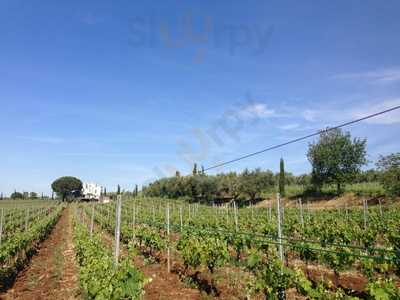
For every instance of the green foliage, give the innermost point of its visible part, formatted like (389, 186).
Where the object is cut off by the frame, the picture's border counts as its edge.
(209, 251)
(248, 184)
(390, 167)
(253, 182)
(271, 277)
(65, 186)
(17, 195)
(20, 241)
(99, 278)
(194, 169)
(150, 238)
(336, 158)
(383, 289)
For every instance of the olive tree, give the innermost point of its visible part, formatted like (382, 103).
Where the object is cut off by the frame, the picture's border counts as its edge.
(336, 158)
(390, 167)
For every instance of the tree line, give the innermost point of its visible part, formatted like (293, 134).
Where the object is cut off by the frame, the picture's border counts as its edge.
(336, 159)
(24, 195)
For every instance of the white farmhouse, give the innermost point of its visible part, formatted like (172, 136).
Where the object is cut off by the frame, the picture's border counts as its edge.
(92, 191)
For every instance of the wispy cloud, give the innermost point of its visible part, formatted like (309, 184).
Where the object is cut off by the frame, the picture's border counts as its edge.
(256, 111)
(382, 76)
(371, 108)
(329, 116)
(309, 114)
(289, 126)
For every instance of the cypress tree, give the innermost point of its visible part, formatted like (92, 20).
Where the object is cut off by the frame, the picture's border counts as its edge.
(118, 189)
(195, 169)
(282, 177)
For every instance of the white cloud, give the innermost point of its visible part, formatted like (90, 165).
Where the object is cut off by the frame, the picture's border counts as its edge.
(309, 115)
(289, 126)
(392, 117)
(382, 76)
(335, 116)
(256, 110)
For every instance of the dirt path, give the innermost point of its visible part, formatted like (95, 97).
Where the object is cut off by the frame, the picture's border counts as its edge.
(52, 272)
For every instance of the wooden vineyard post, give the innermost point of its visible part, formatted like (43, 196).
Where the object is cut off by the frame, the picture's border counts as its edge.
(168, 248)
(252, 211)
(270, 210)
(117, 229)
(80, 215)
(365, 214)
(133, 216)
(137, 209)
(1, 224)
(181, 218)
(380, 208)
(281, 295)
(92, 221)
(301, 212)
(235, 216)
(279, 220)
(26, 218)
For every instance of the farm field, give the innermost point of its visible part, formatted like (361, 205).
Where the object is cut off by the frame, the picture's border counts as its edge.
(233, 253)
(174, 249)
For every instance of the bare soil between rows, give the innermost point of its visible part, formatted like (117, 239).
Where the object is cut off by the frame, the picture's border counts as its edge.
(52, 272)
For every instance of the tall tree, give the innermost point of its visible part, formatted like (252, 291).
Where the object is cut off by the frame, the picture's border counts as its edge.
(282, 178)
(336, 158)
(65, 186)
(118, 189)
(136, 190)
(195, 169)
(390, 167)
(16, 195)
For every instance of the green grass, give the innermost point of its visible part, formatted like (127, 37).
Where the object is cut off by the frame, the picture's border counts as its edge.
(24, 203)
(368, 189)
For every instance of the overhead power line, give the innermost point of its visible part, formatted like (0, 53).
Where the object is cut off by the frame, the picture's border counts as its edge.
(302, 138)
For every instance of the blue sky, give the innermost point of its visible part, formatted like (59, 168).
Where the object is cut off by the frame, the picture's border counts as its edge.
(127, 91)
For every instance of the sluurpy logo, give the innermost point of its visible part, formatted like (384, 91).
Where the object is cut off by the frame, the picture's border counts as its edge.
(199, 35)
